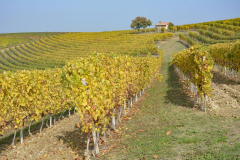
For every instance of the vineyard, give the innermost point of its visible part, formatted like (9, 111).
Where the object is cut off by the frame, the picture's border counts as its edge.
(208, 33)
(11, 39)
(55, 51)
(102, 79)
(215, 45)
(219, 41)
(30, 90)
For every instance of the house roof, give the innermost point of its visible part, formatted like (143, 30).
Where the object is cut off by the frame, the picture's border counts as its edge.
(162, 23)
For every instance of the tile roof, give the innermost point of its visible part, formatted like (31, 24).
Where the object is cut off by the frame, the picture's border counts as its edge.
(162, 23)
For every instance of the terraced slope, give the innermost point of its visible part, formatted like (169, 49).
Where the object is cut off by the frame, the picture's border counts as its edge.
(55, 51)
(11, 39)
(213, 32)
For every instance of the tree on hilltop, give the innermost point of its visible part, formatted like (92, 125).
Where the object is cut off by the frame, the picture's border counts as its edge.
(170, 24)
(140, 22)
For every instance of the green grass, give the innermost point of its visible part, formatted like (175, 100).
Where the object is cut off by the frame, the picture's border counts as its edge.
(194, 134)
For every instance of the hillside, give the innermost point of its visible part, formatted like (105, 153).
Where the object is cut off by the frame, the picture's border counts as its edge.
(54, 51)
(54, 75)
(207, 33)
(164, 123)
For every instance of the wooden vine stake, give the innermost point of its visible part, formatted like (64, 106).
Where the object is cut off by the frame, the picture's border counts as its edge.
(15, 131)
(50, 120)
(113, 120)
(21, 135)
(88, 140)
(205, 102)
(69, 113)
(96, 148)
(124, 107)
(29, 131)
(88, 135)
(119, 115)
(42, 123)
(131, 102)
(95, 141)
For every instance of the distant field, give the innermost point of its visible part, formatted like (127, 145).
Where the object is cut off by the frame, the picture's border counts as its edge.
(10, 39)
(52, 51)
(207, 33)
(41, 50)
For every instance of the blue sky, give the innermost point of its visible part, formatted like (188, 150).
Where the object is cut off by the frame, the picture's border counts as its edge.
(107, 15)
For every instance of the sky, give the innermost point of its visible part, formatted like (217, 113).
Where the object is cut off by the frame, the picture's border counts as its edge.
(107, 15)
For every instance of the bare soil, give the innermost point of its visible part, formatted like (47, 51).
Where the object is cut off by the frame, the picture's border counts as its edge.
(63, 141)
(225, 98)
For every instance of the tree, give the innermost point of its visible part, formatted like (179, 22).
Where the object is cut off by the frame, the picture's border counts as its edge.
(140, 22)
(170, 24)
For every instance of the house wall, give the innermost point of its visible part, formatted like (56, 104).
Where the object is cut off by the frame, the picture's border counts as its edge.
(159, 27)
(166, 26)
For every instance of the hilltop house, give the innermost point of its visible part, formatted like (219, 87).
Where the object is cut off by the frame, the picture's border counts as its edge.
(161, 25)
